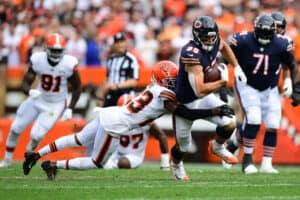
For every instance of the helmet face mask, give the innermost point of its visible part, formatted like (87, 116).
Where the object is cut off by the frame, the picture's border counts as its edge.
(169, 83)
(55, 47)
(280, 22)
(164, 73)
(55, 54)
(264, 29)
(205, 32)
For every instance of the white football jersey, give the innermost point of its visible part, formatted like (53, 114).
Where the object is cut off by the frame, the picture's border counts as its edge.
(53, 81)
(141, 110)
(135, 142)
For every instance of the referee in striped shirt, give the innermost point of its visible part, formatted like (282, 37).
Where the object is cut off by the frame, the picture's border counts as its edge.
(122, 73)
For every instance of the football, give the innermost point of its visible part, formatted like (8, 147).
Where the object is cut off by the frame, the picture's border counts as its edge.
(212, 73)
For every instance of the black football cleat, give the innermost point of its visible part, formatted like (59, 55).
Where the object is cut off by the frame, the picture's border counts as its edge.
(49, 170)
(30, 159)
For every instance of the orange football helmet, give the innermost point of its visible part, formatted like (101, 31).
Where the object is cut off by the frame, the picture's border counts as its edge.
(164, 73)
(55, 47)
(124, 99)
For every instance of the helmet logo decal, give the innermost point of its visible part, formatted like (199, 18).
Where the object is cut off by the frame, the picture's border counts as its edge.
(197, 24)
(165, 69)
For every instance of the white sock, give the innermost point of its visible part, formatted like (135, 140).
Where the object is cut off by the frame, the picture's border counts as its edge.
(44, 151)
(164, 160)
(77, 164)
(266, 161)
(60, 143)
(66, 141)
(8, 156)
(248, 150)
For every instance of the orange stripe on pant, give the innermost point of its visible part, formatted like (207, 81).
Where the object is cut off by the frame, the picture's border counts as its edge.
(103, 151)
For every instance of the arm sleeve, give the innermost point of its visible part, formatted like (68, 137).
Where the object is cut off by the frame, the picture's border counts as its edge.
(192, 114)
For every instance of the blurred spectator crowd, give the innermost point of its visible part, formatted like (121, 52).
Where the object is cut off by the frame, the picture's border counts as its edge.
(156, 29)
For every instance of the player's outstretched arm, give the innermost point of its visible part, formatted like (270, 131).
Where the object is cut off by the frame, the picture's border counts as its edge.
(161, 136)
(193, 114)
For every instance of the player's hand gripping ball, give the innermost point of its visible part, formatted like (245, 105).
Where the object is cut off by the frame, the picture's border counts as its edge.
(216, 72)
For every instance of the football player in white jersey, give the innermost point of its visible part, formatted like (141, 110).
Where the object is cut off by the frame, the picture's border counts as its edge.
(113, 122)
(131, 150)
(47, 102)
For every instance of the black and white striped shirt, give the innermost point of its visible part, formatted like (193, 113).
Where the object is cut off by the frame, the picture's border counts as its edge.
(122, 68)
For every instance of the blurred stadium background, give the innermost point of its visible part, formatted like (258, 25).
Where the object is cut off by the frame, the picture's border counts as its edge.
(156, 30)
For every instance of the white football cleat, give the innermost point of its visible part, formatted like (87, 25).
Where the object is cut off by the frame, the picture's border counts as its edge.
(268, 170)
(250, 169)
(221, 151)
(5, 163)
(266, 166)
(178, 171)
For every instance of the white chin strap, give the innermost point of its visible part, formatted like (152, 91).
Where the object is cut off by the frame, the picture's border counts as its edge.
(263, 41)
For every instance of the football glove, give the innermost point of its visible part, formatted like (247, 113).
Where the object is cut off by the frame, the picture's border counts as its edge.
(34, 93)
(67, 114)
(287, 87)
(224, 110)
(223, 72)
(240, 75)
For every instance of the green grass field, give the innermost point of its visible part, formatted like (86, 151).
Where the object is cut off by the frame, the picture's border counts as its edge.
(207, 182)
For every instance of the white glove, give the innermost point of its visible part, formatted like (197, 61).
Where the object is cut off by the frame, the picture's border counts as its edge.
(240, 75)
(287, 87)
(67, 114)
(34, 93)
(223, 71)
(164, 162)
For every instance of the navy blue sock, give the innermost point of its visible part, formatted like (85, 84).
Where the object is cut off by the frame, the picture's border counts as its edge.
(177, 155)
(250, 131)
(223, 133)
(270, 139)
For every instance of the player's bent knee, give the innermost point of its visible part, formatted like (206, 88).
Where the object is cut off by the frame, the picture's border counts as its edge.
(38, 132)
(230, 127)
(17, 128)
(254, 117)
(124, 163)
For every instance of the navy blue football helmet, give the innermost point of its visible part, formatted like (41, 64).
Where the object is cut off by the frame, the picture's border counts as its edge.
(264, 29)
(205, 32)
(280, 22)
